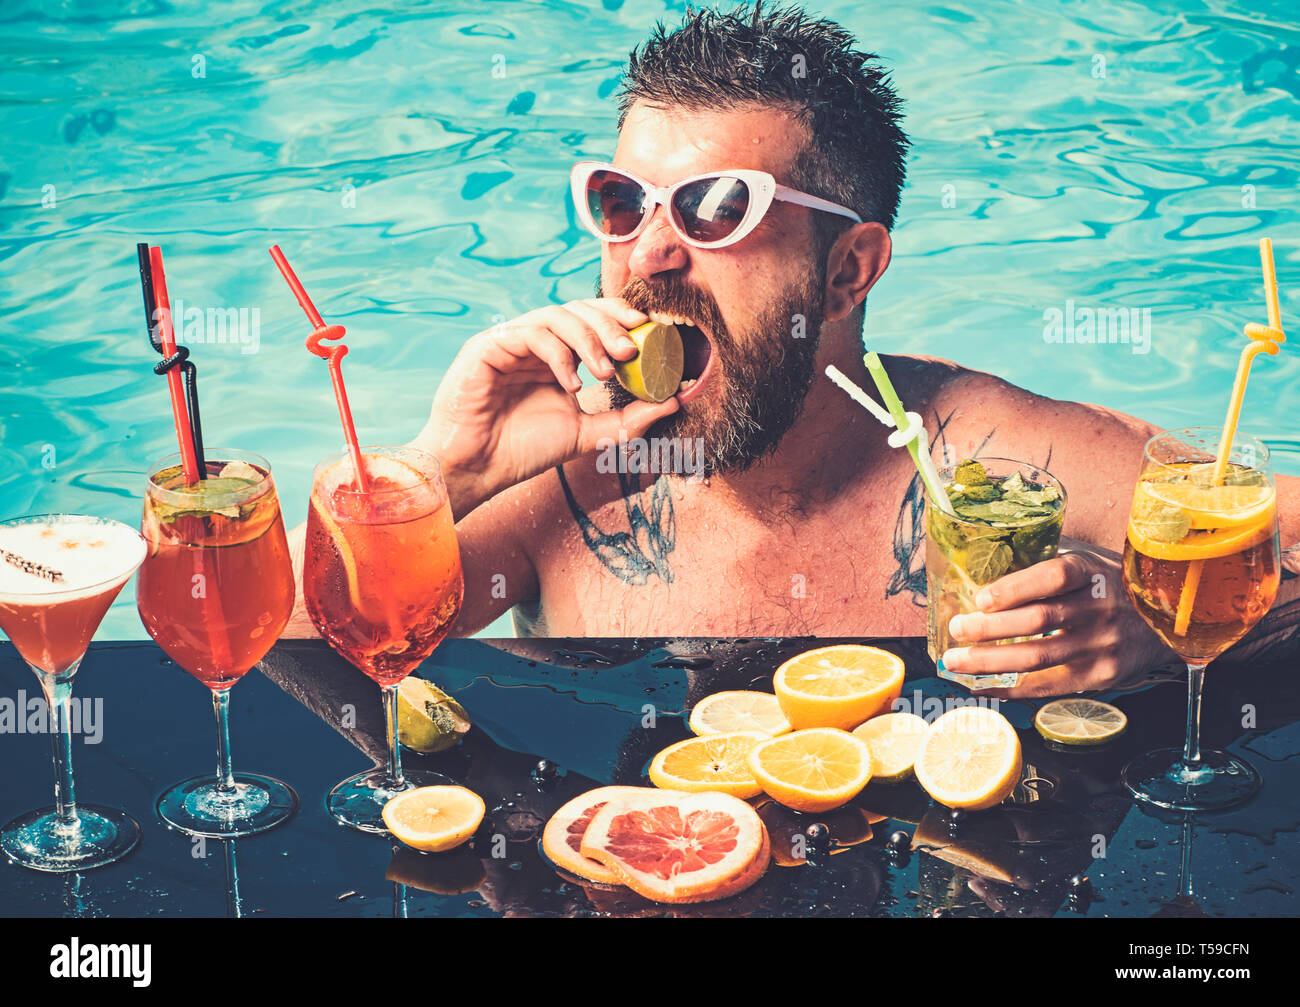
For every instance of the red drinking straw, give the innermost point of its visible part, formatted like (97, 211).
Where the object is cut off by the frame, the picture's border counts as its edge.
(333, 354)
(184, 431)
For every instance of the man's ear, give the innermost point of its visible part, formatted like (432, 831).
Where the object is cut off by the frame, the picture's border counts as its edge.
(857, 260)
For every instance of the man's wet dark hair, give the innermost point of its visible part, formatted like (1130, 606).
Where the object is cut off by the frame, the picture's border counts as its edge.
(785, 58)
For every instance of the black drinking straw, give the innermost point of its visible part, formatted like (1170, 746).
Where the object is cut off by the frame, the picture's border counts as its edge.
(181, 357)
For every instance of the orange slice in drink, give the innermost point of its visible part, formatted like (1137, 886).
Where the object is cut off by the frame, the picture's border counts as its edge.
(717, 762)
(383, 473)
(341, 546)
(1205, 544)
(1214, 507)
(840, 686)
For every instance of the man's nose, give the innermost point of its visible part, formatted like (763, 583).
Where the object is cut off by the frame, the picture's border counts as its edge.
(657, 249)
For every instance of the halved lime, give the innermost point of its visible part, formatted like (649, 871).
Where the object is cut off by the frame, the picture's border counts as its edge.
(1080, 722)
(428, 720)
(655, 372)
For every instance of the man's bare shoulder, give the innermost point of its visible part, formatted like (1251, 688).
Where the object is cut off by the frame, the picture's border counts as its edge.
(1090, 448)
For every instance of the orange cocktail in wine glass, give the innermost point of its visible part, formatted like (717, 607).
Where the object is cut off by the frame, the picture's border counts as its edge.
(382, 582)
(1201, 566)
(215, 592)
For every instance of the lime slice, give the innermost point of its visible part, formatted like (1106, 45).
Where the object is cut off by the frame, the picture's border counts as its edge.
(655, 372)
(428, 720)
(1080, 722)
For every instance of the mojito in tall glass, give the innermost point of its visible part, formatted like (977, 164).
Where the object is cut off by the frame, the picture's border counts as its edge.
(1008, 517)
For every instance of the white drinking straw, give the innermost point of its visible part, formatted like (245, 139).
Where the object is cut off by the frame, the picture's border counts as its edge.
(913, 434)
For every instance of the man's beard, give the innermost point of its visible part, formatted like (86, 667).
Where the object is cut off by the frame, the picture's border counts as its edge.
(759, 381)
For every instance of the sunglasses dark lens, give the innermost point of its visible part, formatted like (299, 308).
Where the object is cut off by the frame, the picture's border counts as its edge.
(616, 202)
(712, 208)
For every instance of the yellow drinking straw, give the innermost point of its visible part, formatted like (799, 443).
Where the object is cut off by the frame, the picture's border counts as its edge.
(1263, 339)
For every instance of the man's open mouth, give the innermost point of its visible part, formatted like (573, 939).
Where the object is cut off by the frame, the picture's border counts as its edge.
(697, 350)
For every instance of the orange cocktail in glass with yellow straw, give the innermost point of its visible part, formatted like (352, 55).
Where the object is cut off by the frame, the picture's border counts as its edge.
(1202, 567)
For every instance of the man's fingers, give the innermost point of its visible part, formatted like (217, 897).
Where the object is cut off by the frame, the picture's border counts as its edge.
(613, 336)
(1031, 655)
(548, 347)
(622, 312)
(581, 338)
(632, 421)
(1059, 575)
(1063, 612)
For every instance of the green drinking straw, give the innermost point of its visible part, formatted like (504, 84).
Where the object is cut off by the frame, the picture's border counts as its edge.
(909, 428)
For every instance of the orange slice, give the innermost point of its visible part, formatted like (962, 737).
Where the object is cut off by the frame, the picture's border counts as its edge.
(816, 769)
(969, 758)
(434, 819)
(1203, 544)
(840, 686)
(727, 712)
(715, 762)
(1214, 506)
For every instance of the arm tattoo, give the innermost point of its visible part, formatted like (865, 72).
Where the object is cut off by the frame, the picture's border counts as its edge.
(632, 556)
(909, 529)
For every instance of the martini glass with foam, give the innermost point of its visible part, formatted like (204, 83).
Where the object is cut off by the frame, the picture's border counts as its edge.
(59, 573)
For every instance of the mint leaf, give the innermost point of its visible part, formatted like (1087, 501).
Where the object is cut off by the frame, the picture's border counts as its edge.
(970, 473)
(987, 559)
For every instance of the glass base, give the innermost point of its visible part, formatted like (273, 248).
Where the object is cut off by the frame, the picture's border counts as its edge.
(358, 802)
(256, 804)
(1220, 780)
(1004, 680)
(41, 841)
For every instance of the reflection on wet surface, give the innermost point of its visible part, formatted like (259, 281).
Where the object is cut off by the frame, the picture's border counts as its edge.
(554, 718)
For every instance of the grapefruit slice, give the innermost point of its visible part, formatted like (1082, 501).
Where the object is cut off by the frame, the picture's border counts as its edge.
(562, 837)
(673, 847)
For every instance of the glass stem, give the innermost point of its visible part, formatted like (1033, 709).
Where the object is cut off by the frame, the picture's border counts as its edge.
(1192, 744)
(58, 698)
(395, 779)
(221, 707)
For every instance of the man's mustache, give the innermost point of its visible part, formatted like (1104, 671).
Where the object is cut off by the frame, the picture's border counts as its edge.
(675, 298)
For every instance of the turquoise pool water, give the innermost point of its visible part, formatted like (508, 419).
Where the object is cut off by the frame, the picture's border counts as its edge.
(1119, 156)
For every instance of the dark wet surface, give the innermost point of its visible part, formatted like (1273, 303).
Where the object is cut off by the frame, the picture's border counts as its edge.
(1070, 844)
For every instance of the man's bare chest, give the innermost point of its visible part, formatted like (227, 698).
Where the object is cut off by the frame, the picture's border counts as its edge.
(659, 563)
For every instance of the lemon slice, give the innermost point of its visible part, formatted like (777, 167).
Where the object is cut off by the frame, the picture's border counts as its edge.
(718, 762)
(894, 740)
(1080, 722)
(969, 758)
(813, 770)
(725, 712)
(428, 720)
(434, 819)
(655, 372)
(840, 686)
